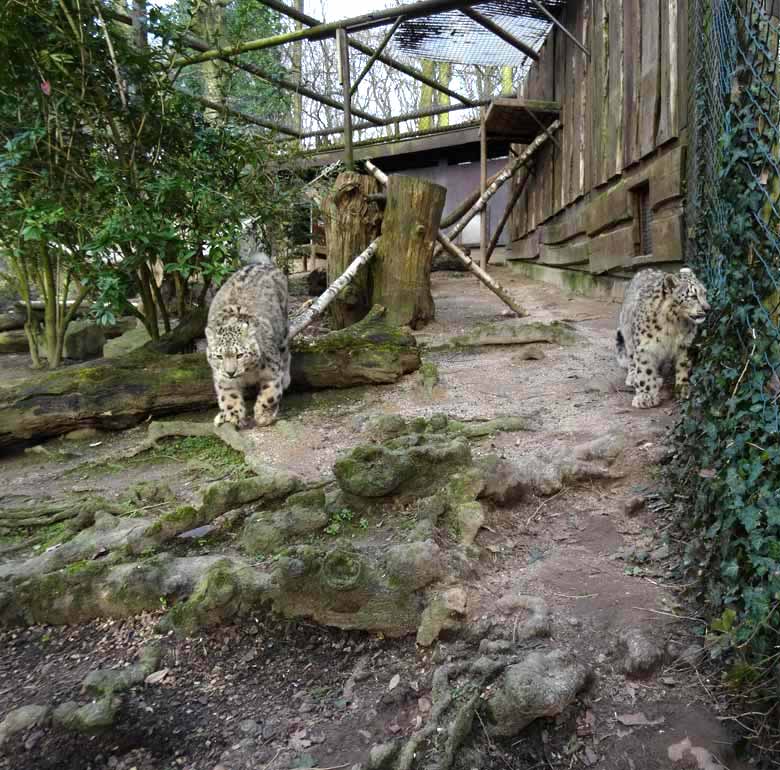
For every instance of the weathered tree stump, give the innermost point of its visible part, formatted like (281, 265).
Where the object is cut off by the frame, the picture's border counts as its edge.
(121, 392)
(352, 221)
(401, 271)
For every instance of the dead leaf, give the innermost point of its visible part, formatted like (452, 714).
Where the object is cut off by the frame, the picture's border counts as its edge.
(157, 676)
(707, 473)
(585, 723)
(394, 682)
(638, 720)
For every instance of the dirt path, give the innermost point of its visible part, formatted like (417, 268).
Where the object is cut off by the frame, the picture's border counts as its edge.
(271, 695)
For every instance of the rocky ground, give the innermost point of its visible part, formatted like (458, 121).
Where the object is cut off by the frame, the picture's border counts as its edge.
(529, 565)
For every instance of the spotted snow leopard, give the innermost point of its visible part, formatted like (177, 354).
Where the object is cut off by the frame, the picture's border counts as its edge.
(247, 343)
(657, 326)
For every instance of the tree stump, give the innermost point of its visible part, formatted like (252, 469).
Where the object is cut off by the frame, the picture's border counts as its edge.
(401, 271)
(352, 221)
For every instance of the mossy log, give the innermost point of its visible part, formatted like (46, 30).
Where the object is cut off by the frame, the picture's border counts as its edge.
(352, 221)
(401, 271)
(122, 392)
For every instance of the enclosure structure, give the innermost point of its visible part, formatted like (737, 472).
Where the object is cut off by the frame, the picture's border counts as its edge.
(608, 197)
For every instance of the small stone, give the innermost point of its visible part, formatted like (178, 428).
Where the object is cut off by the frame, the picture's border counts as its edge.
(633, 505)
(529, 353)
(394, 682)
(249, 727)
(661, 553)
(542, 685)
(381, 755)
(22, 719)
(692, 655)
(157, 676)
(83, 434)
(641, 655)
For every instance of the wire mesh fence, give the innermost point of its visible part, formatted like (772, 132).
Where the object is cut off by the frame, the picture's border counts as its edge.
(728, 435)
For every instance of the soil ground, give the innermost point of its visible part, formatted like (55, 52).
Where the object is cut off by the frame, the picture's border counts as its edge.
(271, 694)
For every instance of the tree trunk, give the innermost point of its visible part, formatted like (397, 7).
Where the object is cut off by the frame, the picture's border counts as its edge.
(401, 272)
(351, 223)
(122, 392)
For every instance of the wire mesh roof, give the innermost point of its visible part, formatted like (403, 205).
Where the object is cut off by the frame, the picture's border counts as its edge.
(454, 37)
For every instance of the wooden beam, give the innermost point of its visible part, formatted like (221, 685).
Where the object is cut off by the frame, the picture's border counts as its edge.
(483, 220)
(353, 24)
(499, 31)
(397, 118)
(561, 27)
(518, 191)
(374, 56)
(342, 52)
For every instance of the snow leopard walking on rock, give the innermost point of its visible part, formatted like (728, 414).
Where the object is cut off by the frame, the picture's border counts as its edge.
(657, 326)
(247, 343)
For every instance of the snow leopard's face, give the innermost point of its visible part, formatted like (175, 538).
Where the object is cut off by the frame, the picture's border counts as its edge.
(690, 297)
(232, 350)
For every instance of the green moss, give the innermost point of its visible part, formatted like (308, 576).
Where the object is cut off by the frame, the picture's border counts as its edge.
(85, 568)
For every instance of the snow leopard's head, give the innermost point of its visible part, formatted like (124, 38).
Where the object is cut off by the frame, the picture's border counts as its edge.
(232, 349)
(688, 295)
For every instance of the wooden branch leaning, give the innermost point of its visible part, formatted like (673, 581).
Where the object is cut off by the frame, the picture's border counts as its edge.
(316, 309)
(483, 276)
(488, 280)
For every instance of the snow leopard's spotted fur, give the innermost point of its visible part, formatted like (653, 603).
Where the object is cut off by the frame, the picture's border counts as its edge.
(657, 326)
(247, 335)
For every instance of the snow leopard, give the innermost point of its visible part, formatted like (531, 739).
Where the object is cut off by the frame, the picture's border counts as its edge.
(658, 322)
(247, 343)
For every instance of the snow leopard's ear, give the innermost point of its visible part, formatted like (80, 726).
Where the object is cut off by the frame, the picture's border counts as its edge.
(669, 283)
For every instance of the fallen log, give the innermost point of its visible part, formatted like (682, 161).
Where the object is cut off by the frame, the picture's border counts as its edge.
(121, 392)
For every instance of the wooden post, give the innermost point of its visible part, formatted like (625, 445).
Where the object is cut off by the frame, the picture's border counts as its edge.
(401, 274)
(342, 51)
(483, 222)
(352, 222)
(518, 191)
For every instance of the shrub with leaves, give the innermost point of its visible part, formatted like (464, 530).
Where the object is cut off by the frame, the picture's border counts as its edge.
(111, 177)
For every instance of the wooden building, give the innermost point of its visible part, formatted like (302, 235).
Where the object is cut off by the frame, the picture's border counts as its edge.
(608, 198)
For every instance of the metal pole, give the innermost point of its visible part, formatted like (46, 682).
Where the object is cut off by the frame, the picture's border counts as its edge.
(342, 49)
(483, 222)
(277, 5)
(491, 26)
(353, 24)
(560, 26)
(374, 56)
(201, 45)
(399, 118)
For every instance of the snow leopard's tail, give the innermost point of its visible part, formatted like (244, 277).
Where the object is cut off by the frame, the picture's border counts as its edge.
(622, 354)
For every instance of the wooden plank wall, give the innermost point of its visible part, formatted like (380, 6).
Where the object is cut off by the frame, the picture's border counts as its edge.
(622, 111)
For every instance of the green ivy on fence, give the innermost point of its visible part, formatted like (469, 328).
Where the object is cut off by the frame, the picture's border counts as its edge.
(729, 433)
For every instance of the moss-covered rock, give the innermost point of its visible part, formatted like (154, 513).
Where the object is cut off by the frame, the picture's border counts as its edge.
(302, 514)
(221, 497)
(415, 463)
(90, 718)
(512, 332)
(228, 589)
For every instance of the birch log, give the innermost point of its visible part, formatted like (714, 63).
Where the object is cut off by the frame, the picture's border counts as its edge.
(317, 308)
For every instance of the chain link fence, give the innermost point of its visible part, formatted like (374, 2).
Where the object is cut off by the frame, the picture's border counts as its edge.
(729, 432)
